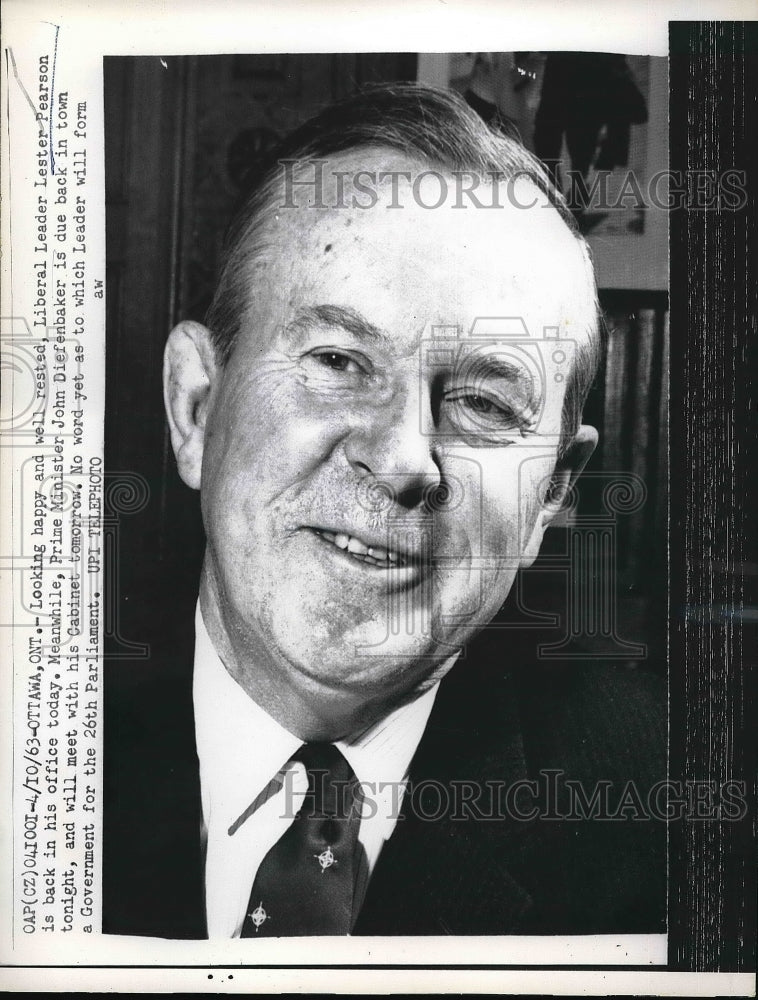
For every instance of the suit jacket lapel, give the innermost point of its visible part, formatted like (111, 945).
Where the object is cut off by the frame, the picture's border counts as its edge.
(445, 870)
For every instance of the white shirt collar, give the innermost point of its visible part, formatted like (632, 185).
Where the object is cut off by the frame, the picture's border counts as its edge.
(240, 747)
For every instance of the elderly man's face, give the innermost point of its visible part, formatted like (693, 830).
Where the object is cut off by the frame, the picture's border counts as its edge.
(377, 449)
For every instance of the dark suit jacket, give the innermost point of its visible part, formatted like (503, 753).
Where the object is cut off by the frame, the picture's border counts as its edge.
(455, 872)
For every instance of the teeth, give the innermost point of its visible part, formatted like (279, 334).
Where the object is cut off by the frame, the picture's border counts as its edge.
(374, 555)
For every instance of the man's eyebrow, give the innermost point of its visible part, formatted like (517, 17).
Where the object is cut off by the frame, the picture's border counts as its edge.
(496, 366)
(336, 316)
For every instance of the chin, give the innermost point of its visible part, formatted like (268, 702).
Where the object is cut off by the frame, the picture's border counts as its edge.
(366, 660)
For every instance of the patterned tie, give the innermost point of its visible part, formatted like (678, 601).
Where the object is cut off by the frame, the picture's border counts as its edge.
(306, 882)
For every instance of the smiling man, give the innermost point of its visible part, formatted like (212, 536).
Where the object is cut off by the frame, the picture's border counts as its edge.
(382, 415)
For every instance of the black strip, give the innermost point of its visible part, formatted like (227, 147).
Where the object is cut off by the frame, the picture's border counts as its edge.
(713, 127)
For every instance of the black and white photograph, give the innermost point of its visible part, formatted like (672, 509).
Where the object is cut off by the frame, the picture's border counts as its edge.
(390, 359)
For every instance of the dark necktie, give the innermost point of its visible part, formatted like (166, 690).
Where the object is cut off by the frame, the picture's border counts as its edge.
(306, 882)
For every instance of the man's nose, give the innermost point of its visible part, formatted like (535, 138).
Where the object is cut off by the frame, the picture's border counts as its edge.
(396, 445)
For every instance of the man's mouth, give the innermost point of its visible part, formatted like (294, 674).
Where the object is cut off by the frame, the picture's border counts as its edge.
(374, 555)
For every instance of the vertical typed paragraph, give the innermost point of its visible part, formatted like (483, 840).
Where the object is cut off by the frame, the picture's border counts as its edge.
(55, 339)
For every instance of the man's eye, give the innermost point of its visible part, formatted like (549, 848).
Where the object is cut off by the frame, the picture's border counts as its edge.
(483, 406)
(337, 361)
(484, 418)
(480, 404)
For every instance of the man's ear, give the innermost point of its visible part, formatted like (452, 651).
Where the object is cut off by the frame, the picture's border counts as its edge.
(565, 474)
(190, 373)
